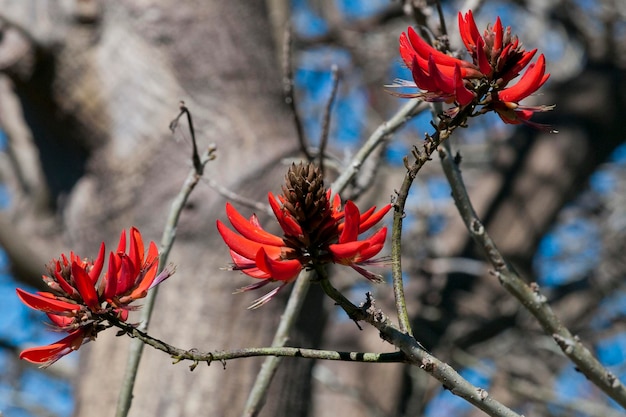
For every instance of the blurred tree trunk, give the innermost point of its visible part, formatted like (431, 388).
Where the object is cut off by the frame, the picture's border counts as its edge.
(99, 83)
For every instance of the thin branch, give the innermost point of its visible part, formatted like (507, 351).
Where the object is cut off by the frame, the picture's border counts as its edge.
(195, 158)
(431, 143)
(237, 198)
(289, 91)
(529, 295)
(326, 117)
(416, 355)
(167, 241)
(225, 355)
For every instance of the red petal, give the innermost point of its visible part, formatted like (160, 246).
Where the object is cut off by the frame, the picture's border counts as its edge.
(69, 290)
(126, 275)
(371, 220)
(60, 321)
(519, 65)
(443, 82)
(528, 84)
(49, 354)
(421, 77)
(121, 246)
(244, 247)
(462, 94)
(136, 250)
(424, 50)
(344, 253)
(350, 230)
(289, 225)
(46, 302)
(279, 270)
(96, 269)
(110, 285)
(481, 56)
(468, 29)
(375, 244)
(250, 230)
(497, 35)
(85, 287)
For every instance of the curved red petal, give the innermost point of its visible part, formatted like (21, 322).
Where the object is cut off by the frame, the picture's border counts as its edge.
(136, 250)
(47, 355)
(345, 253)
(532, 79)
(424, 50)
(350, 230)
(481, 56)
(497, 35)
(60, 321)
(372, 219)
(375, 244)
(96, 269)
(126, 275)
(469, 30)
(442, 81)
(243, 246)
(462, 94)
(85, 287)
(69, 290)
(249, 229)
(279, 270)
(110, 285)
(46, 302)
(121, 246)
(406, 50)
(289, 225)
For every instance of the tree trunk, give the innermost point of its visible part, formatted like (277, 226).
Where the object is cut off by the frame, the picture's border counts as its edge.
(99, 102)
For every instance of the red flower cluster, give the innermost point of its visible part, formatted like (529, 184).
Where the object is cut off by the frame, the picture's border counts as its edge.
(497, 58)
(79, 301)
(316, 231)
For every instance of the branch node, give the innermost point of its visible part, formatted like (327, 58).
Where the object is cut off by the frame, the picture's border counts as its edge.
(477, 227)
(566, 345)
(427, 365)
(482, 394)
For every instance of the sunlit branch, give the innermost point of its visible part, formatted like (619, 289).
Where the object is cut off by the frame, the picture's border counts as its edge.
(415, 354)
(278, 352)
(529, 295)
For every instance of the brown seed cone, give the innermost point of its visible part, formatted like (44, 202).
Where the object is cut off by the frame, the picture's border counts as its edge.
(306, 199)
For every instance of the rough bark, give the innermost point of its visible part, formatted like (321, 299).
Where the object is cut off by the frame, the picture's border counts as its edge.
(98, 100)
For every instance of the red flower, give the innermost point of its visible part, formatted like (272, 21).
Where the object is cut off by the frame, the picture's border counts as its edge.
(78, 303)
(497, 59)
(316, 231)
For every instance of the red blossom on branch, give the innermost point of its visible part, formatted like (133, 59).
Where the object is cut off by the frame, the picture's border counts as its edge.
(315, 231)
(79, 299)
(497, 59)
